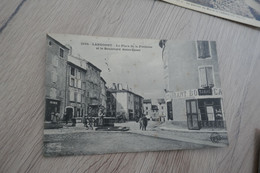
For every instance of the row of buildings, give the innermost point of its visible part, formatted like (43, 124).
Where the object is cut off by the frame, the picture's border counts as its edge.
(75, 88)
(155, 109)
(193, 97)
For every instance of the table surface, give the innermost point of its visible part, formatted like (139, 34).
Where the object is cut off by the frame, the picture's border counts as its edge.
(24, 25)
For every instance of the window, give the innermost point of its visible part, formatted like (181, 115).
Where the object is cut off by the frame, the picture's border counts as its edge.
(75, 96)
(78, 97)
(191, 107)
(79, 83)
(84, 85)
(50, 43)
(203, 49)
(72, 96)
(72, 82)
(82, 98)
(78, 74)
(210, 113)
(72, 71)
(146, 108)
(206, 77)
(61, 52)
(162, 107)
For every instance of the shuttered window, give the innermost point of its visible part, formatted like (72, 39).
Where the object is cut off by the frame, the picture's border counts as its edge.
(203, 49)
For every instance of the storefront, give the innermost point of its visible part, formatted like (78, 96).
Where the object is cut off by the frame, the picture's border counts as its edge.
(52, 107)
(204, 113)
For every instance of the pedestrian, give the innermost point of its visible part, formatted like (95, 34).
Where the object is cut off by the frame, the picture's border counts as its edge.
(57, 116)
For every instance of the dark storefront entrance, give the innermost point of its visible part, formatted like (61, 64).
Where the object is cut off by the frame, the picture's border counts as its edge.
(169, 111)
(131, 115)
(52, 107)
(211, 115)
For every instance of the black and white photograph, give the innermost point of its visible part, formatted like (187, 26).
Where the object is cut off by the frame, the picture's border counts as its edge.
(112, 95)
(244, 11)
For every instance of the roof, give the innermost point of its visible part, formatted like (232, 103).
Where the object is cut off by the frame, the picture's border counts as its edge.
(95, 67)
(103, 79)
(147, 101)
(57, 42)
(81, 63)
(161, 101)
(122, 91)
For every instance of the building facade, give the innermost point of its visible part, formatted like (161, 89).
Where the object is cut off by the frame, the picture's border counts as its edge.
(73, 85)
(162, 109)
(192, 84)
(121, 101)
(147, 107)
(55, 81)
(103, 95)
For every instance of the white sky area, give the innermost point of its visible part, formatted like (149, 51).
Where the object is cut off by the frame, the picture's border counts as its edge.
(141, 70)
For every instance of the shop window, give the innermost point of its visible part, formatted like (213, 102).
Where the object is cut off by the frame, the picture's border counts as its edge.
(206, 77)
(61, 52)
(203, 49)
(210, 113)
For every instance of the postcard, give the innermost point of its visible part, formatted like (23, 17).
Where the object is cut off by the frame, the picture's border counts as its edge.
(111, 95)
(243, 11)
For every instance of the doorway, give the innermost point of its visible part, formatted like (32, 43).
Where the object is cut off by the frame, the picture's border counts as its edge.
(192, 115)
(169, 110)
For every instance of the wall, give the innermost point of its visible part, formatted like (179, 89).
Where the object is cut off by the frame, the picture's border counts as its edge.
(55, 79)
(181, 63)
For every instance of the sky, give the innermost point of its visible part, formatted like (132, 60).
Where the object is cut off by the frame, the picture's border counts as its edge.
(141, 70)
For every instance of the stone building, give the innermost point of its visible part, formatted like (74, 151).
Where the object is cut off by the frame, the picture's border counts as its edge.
(55, 82)
(73, 85)
(162, 109)
(93, 92)
(147, 107)
(103, 95)
(124, 102)
(192, 84)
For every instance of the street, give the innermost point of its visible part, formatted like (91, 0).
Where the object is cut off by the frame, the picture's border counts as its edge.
(107, 142)
(78, 140)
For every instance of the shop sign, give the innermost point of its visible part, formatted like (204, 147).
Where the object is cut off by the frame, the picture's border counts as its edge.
(203, 92)
(53, 102)
(196, 93)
